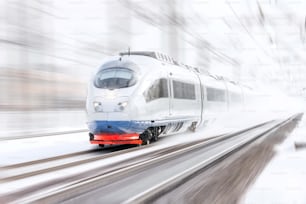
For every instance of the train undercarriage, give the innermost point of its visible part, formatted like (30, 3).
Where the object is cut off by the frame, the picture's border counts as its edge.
(151, 134)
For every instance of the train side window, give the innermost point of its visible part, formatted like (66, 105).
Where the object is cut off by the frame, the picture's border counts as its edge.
(182, 90)
(159, 89)
(214, 94)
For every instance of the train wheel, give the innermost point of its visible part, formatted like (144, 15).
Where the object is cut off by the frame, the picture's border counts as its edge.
(101, 145)
(193, 126)
(146, 137)
(156, 132)
(91, 136)
(155, 136)
(146, 142)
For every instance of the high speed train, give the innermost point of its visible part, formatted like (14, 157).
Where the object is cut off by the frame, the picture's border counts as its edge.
(135, 97)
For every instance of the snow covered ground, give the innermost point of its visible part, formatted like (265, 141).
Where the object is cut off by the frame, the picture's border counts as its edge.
(283, 181)
(22, 150)
(26, 123)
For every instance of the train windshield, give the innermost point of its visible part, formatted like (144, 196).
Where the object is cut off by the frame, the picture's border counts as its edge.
(114, 78)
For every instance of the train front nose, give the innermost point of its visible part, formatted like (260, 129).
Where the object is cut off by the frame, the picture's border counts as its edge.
(110, 115)
(109, 111)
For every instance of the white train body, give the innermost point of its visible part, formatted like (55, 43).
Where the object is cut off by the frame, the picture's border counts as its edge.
(135, 97)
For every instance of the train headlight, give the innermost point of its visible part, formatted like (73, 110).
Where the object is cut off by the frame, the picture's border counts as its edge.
(97, 106)
(122, 105)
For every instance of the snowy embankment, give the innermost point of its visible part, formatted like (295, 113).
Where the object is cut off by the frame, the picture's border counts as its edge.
(283, 180)
(35, 123)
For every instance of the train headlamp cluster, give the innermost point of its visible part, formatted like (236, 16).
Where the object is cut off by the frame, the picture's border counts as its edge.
(98, 106)
(120, 106)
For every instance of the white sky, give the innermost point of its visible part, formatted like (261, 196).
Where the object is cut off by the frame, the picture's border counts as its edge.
(248, 40)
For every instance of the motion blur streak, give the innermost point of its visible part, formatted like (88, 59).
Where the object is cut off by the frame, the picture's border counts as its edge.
(50, 47)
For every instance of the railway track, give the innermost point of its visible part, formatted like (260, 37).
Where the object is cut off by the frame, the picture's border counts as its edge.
(117, 177)
(155, 192)
(13, 174)
(36, 167)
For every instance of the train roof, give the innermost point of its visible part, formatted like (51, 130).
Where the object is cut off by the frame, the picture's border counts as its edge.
(156, 55)
(165, 58)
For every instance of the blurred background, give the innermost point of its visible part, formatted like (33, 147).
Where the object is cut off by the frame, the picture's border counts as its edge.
(49, 48)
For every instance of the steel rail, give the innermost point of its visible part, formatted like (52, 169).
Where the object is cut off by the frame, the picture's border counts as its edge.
(75, 162)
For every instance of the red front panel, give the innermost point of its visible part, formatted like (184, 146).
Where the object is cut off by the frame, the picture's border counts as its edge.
(132, 138)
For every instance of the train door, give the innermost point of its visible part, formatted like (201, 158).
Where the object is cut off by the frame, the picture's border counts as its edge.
(185, 101)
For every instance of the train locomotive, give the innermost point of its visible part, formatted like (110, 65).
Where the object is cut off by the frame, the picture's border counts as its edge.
(136, 97)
